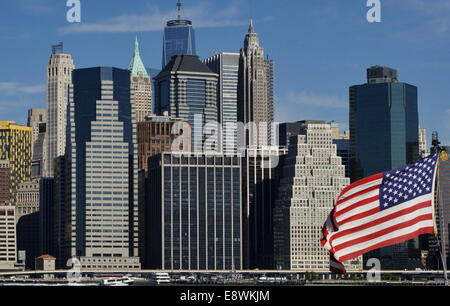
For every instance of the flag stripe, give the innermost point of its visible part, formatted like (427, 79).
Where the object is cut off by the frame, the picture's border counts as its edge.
(359, 213)
(382, 214)
(355, 187)
(381, 232)
(359, 203)
(423, 230)
(357, 195)
(350, 202)
(383, 221)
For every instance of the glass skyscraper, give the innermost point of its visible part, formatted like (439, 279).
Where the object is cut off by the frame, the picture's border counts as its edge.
(179, 38)
(384, 121)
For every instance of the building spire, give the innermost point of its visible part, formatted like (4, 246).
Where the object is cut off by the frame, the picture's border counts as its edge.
(136, 65)
(179, 9)
(251, 29)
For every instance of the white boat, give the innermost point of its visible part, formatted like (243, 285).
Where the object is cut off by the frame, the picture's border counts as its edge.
(161, 278)
(117, 281)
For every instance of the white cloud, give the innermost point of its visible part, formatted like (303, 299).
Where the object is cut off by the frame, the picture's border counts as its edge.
(12, 88)
(204, 15)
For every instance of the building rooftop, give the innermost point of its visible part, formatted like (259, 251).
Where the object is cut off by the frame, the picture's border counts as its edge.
(185, 63)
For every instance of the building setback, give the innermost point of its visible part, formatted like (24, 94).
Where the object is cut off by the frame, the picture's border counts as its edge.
(194, 215)
(102, 219)
(312, 178)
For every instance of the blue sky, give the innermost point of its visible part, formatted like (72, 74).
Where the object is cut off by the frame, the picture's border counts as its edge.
(320, 47)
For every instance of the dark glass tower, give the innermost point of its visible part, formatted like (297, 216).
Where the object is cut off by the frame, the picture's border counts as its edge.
(179, 38)
(384, 121)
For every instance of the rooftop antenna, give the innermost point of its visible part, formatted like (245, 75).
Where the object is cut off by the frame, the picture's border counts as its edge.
(59, 48)
(179, 9)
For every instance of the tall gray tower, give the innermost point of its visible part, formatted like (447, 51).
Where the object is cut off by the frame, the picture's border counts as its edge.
(59, 76)
(253, 102)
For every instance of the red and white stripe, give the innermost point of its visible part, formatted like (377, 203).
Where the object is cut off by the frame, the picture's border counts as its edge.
(357, 225)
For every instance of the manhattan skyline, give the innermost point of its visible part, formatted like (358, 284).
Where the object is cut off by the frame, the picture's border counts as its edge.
(319, 49)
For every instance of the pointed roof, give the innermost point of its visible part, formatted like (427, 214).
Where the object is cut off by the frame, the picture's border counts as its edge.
(136, 65)
(251, 29)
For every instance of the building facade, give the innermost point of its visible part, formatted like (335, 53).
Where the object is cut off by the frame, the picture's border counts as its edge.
(178, 39)
(7, 237)
(187, 89)
(102, 222)
(312, 178)
(253, 102)
(260, 179)
(5, 182)
(27, 199)
(154, 137)
(194, 215)
(226, 65)
(15, 146)
(141, 83)
(36, 116)
(59, 77)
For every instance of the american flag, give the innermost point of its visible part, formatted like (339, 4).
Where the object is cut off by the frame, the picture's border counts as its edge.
(381, 210)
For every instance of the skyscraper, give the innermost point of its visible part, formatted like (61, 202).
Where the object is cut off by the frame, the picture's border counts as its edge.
(179, 38)
(36, 116)
(253, 103)
(312, 178)
(260, 179)
(102, 219)
(59, 76)
(141, 83)
(226, 65)
(187, 89)
(15, 146)
(194, 212)
(384, 124)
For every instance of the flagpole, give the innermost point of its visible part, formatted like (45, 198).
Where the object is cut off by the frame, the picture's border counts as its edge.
(441, 242)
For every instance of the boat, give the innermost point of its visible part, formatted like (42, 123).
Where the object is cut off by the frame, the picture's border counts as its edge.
(117, 281)
(161, 278)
